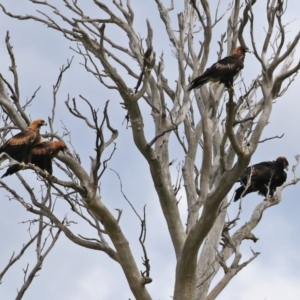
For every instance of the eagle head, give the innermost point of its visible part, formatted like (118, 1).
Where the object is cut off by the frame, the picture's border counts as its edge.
(241, 50)
(36, 124)
(282, 161)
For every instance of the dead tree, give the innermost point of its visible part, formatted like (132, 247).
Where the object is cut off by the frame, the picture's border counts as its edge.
(221, 131)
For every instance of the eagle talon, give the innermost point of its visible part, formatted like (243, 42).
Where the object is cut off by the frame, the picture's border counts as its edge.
(231, 90)
(23, 165)
(272, 199)
(47, 174)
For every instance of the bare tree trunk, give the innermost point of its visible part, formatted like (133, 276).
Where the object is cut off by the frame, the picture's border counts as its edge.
(211, 132)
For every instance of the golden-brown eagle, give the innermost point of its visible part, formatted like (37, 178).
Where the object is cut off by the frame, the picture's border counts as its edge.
(222, 71)
(19, 146)
(43, 153)
(41, 156)
(263, 178)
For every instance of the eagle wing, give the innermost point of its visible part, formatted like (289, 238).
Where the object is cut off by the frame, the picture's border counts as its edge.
(259, 172)
(224, 70)
(227, 66)
(42, 155)
(18, 147)
(279, 179)
(22, 138)
(44, 148)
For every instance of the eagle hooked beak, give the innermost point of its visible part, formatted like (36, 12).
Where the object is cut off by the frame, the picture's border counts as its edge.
(287, 167)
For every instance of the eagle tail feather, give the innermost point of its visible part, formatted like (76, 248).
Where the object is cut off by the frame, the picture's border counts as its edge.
(238, 193)
(12, 170)
(198, 82)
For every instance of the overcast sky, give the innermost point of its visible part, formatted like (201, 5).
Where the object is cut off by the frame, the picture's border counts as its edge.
(74, 273)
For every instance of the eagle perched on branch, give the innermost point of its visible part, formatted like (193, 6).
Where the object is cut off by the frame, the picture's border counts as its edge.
(41, 156)
(43, 153)
(223, 71)
(263, 178)
(19, 146)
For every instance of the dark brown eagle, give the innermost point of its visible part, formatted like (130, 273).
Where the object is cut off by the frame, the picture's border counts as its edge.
(19, 146)
(41, 156)
(263, 178)
(222, 71)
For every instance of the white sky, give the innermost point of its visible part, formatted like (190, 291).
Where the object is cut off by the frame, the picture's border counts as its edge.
(74, 273)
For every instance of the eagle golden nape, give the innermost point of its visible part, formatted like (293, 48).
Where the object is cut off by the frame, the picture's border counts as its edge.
(263, 178)
(223, 71)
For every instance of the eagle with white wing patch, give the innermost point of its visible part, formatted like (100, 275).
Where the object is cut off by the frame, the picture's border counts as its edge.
(223, 71)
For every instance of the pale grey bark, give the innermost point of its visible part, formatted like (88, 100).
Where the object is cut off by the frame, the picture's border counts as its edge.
(219, 139)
